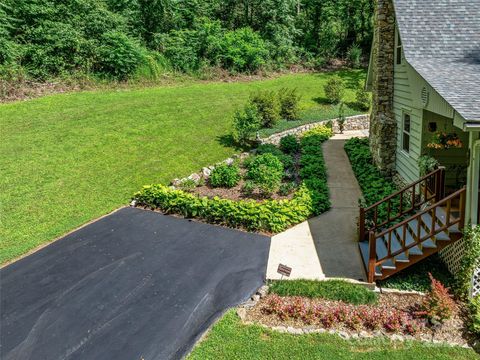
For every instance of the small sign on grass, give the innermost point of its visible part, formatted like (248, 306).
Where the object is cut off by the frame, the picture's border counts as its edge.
(284, 270)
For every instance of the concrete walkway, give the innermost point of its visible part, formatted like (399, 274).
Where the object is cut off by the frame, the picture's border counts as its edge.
(325, 246)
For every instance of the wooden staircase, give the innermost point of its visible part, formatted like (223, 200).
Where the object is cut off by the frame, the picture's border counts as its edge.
(410, 225)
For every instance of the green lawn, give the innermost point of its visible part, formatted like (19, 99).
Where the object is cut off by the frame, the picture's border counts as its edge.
(229, 339)
(69, 158)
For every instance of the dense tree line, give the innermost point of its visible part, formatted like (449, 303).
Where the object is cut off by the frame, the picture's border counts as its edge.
(117, 38)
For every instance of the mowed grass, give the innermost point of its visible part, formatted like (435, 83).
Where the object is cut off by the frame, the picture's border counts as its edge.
(337, 290)
(230, 339)
(70, 158)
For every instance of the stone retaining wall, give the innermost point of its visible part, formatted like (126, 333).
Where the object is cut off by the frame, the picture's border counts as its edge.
(357, 122)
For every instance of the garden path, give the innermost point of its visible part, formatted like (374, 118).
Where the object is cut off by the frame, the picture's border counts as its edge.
(325, 246)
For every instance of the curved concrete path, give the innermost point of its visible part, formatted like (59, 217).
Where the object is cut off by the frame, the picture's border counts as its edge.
(133, 285)
(325, 246)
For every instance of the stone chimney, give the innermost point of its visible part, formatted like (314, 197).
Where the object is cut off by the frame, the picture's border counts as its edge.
(383, 128)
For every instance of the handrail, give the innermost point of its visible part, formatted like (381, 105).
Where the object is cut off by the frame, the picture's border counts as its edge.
(433, 189)
(434, 230)
(405, 188)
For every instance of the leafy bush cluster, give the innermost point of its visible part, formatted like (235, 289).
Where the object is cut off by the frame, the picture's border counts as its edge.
(225, 175)
(274, 216)
(289, 144)
(374, 185)
(363, 98)
(285, 158)
(331, 290)
(475, 315)
(264, 110)
(118, 38)
(266, 172)
(322, 131)
(338, 314)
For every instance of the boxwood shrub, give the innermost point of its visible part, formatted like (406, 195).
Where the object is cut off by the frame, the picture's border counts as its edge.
(272, 216)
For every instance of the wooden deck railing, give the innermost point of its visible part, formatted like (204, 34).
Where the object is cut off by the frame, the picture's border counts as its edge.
(430, 187)
(435, 227)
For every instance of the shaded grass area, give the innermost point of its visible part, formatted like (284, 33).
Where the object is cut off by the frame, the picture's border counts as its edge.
(416, 277)
(330, 289)
(69, 158)
(230, 339)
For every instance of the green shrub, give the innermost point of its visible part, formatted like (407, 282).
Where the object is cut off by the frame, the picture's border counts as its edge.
(334, 89)
(270, 215)
(248, 188)
(286, 188)
(244, 50)
(470, 260)
(374, 185)
(286, 160)
(266, 172)
(354, 56)
(225, 175)
(188, 185)
(331, 290)
(267, 106)
(475, 315)
(289, 104)
(323, 131)
(341, 117)
(289, 144)
(362, 98)
(119, 55)
(246, 123)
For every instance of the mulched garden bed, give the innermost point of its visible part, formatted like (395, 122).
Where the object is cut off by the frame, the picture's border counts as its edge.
(295, 310)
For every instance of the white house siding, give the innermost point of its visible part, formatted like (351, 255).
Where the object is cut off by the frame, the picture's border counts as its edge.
(406, 163)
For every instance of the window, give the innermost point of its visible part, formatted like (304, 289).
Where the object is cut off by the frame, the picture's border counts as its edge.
(399, 49)
(406, 133)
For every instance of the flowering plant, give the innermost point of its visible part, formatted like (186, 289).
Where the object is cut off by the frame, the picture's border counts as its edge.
(444, 140)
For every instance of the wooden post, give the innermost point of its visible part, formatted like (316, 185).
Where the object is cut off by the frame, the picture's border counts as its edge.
(372, 256)
(440, 188)
(361, 224)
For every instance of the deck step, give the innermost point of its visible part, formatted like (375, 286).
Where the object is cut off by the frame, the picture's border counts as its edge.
(395, 246)
(364, 250)
(409, 240)
(427, 219)
(413, 225)
(442, 214)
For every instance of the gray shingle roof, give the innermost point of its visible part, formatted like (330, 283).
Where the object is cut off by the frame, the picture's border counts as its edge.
(441, 40)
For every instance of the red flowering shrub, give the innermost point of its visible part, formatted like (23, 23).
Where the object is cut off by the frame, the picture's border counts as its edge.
(438, 305)
(339, 313)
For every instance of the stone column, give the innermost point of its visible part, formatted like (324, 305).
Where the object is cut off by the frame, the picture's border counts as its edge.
(383, 128)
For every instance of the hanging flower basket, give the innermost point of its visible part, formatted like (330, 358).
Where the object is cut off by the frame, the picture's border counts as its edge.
(443, 140)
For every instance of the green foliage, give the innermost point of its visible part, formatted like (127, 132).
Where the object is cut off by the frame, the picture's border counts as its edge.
(287, 188)
(331, 290)
(188, 185)
(289, 104)
(470, 260)
(248, 188)
(474, 307)
(374, 185)
(341, 117)
(427, 164)
(286, 159)
(323, 131)
(267, 106)
(244, 50)
(266, 172)
(225, 175)
(362, 98)
(289, 144)
(269, 215)
(415, 278)
(354, 56)
(311, 198)
(246, 123)
(334, 90)
(120, 56)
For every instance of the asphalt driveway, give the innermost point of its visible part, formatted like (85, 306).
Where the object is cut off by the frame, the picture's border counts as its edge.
(133, 285)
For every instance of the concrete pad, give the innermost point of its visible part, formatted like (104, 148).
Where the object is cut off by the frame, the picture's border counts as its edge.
(296, 249)
(351, 133)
